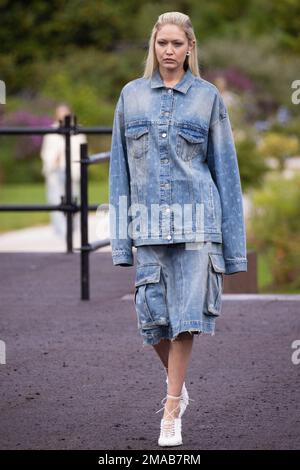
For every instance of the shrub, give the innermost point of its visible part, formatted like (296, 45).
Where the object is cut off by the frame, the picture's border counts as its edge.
(275, 227)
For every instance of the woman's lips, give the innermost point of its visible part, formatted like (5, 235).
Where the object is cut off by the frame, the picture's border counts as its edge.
(169, 60)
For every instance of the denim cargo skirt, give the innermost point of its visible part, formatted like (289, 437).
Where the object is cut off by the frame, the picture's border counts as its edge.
(178, 287)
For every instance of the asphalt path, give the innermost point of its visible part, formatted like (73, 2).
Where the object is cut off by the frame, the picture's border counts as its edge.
(76, 375)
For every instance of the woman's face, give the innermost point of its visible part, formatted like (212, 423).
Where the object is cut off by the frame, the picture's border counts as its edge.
(171, 43)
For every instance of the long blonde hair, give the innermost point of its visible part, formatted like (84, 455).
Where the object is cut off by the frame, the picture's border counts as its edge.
(184, 22)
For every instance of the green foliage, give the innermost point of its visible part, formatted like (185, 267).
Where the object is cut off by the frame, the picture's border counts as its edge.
(275, 228)
(13, 170)
(279, 146)
(251, 165)
(35, 31)
(259, 59)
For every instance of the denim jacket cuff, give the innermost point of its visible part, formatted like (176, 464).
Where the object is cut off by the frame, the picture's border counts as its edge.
(122, 257)
(235, 266)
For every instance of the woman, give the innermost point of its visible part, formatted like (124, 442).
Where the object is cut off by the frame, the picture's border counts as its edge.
(174, 165)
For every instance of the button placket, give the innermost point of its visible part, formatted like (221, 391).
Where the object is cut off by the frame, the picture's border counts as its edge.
(165, 175)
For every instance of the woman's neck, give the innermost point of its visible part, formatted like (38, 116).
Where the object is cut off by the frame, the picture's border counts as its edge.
(169, 78)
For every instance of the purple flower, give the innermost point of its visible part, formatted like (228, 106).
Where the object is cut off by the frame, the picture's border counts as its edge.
(234, 78)
(29, 144)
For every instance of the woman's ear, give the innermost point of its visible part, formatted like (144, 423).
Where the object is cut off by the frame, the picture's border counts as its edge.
(192, 44)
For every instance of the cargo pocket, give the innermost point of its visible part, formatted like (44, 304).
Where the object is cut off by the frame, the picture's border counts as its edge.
(216, 268)
(150, 296)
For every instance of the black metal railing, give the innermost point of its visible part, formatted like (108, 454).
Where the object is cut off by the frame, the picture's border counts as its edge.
(68, 205)
(86, 247)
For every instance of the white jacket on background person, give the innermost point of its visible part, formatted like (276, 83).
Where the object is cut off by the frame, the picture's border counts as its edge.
(53, 153)
(53, 169)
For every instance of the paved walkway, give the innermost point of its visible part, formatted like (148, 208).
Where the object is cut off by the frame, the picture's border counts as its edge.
(77, 376)
(43, 238)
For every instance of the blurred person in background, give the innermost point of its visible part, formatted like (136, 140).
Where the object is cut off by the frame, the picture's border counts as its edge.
(53, 169)
(229, 97)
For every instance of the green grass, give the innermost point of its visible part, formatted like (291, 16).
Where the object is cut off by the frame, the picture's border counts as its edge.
(35, 194)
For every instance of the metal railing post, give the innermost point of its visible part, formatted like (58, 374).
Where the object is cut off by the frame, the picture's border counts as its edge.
(84, 255)
(68, 184)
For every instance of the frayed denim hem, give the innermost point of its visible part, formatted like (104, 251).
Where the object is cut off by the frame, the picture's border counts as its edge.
(154, 336)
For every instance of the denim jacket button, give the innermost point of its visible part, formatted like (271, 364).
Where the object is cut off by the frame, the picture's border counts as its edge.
(169, 237)
(164, 135)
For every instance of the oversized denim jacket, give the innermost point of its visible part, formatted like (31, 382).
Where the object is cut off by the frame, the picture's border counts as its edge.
(174, 173)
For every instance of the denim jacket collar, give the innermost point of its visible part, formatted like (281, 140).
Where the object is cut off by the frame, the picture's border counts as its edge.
(182, 86)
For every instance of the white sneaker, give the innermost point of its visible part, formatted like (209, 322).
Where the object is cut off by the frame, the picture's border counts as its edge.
(185, 399)
(170, 428)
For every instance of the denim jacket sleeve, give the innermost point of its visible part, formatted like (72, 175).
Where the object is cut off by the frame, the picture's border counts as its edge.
(119, 192)
(223, 165)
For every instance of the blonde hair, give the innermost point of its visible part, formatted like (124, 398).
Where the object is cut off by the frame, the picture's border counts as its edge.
(184, 22)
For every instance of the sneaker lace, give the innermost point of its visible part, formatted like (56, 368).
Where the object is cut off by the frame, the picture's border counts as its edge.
(167, 424)
(165, 398)
(164, 407)
(188, 399)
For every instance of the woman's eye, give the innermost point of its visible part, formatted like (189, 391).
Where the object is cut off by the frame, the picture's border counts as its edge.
(177, 44)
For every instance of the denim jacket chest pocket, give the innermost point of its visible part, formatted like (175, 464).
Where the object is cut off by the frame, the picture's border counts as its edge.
(190, 142)
(137, 139)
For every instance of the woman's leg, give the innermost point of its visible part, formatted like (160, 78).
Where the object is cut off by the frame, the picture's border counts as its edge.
(162, 349)
(175, 356)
